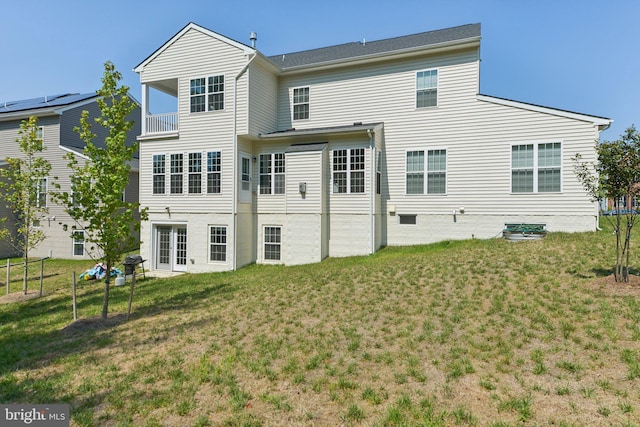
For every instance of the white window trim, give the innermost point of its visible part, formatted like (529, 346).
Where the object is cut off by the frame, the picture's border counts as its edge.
(272, 174)
(264, 243)
(185, 159)
(153, 174)
(226, 245)
(293, 89)
(205, 168)
(535, 166)
(425, 171)
(74, 242)
(207, 93)
(46, 193)
(349, 170)
(415, 91)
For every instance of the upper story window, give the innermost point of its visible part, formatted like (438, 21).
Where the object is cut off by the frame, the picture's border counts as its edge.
(207, 94)
(272, 173)
(40, 190)
(348, 170)
(158, 173)
(301, 103)
(195, 173)
(176, 173)
(427, 88)
(214, 172)
(434, 169)
(536, 168)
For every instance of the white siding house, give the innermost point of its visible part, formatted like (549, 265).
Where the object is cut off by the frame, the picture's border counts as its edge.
(341, 150)
(57, 116)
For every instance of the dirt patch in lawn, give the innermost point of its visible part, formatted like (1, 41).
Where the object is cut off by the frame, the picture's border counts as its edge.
(18, 296)
(609, 285)
(92, 323)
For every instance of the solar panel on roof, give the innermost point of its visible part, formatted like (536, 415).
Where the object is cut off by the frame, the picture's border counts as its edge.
(44, 102)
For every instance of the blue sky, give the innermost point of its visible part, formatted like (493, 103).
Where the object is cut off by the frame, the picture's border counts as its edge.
(578, 55)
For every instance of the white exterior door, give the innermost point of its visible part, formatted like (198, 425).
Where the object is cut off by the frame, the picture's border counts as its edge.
(171, 247)
(244, 190)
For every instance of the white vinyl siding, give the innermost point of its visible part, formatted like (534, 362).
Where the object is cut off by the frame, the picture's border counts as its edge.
(536, 168)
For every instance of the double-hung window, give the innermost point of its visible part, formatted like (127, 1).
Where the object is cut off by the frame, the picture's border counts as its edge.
(348, 170)
(427, 88)
(272, 173)
(78, 243)
(301, 103)
(426, 174)
(40, 193)
(176, 169)
(195, 173)
(158, 173)
(217, 243)
(272, 243)
(536, 168)
(214, 169)
(207, 94)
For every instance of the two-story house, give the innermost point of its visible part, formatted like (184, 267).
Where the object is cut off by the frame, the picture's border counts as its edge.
(340, 150)
(57, 116)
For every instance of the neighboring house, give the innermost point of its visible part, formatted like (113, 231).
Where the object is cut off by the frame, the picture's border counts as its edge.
(340, 150)
(57, 116)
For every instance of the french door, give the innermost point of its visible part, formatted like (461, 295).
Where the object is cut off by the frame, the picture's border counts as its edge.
(171, 247)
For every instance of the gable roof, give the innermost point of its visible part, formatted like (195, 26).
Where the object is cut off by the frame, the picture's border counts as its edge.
(602, 122)
(367, 49)
(44, 104)
(191, 26)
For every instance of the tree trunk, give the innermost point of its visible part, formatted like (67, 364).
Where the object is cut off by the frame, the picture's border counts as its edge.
(25, 274)
(105, 303)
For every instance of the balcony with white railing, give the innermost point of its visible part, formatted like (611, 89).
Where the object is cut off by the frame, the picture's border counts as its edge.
(161, 123)
(162, 98)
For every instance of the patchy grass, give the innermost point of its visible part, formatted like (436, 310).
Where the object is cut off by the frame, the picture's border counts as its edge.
(457, 333)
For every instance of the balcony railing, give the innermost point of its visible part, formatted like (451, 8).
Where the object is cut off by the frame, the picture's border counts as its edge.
(162, 123)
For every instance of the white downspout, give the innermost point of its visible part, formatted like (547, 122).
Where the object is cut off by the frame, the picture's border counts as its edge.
(372, 190)
(234, 202)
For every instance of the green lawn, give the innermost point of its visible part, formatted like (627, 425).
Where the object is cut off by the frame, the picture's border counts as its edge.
(479, 332)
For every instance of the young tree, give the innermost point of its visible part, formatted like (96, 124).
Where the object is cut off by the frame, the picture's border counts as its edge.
(23, 187)
(616, 176)
(96, 201)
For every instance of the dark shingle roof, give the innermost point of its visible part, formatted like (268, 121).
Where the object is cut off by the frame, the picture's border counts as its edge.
(360, 49)
(44, 102)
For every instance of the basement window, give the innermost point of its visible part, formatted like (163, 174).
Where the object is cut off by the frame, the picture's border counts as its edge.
(408, 219)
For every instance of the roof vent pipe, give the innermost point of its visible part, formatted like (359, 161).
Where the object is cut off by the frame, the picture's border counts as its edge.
(253, 36)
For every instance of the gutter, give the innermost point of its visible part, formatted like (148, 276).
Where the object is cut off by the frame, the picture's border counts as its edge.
(234, 167)
(372, 190)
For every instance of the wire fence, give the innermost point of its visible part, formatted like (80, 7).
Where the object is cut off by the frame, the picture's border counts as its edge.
(8, 266)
